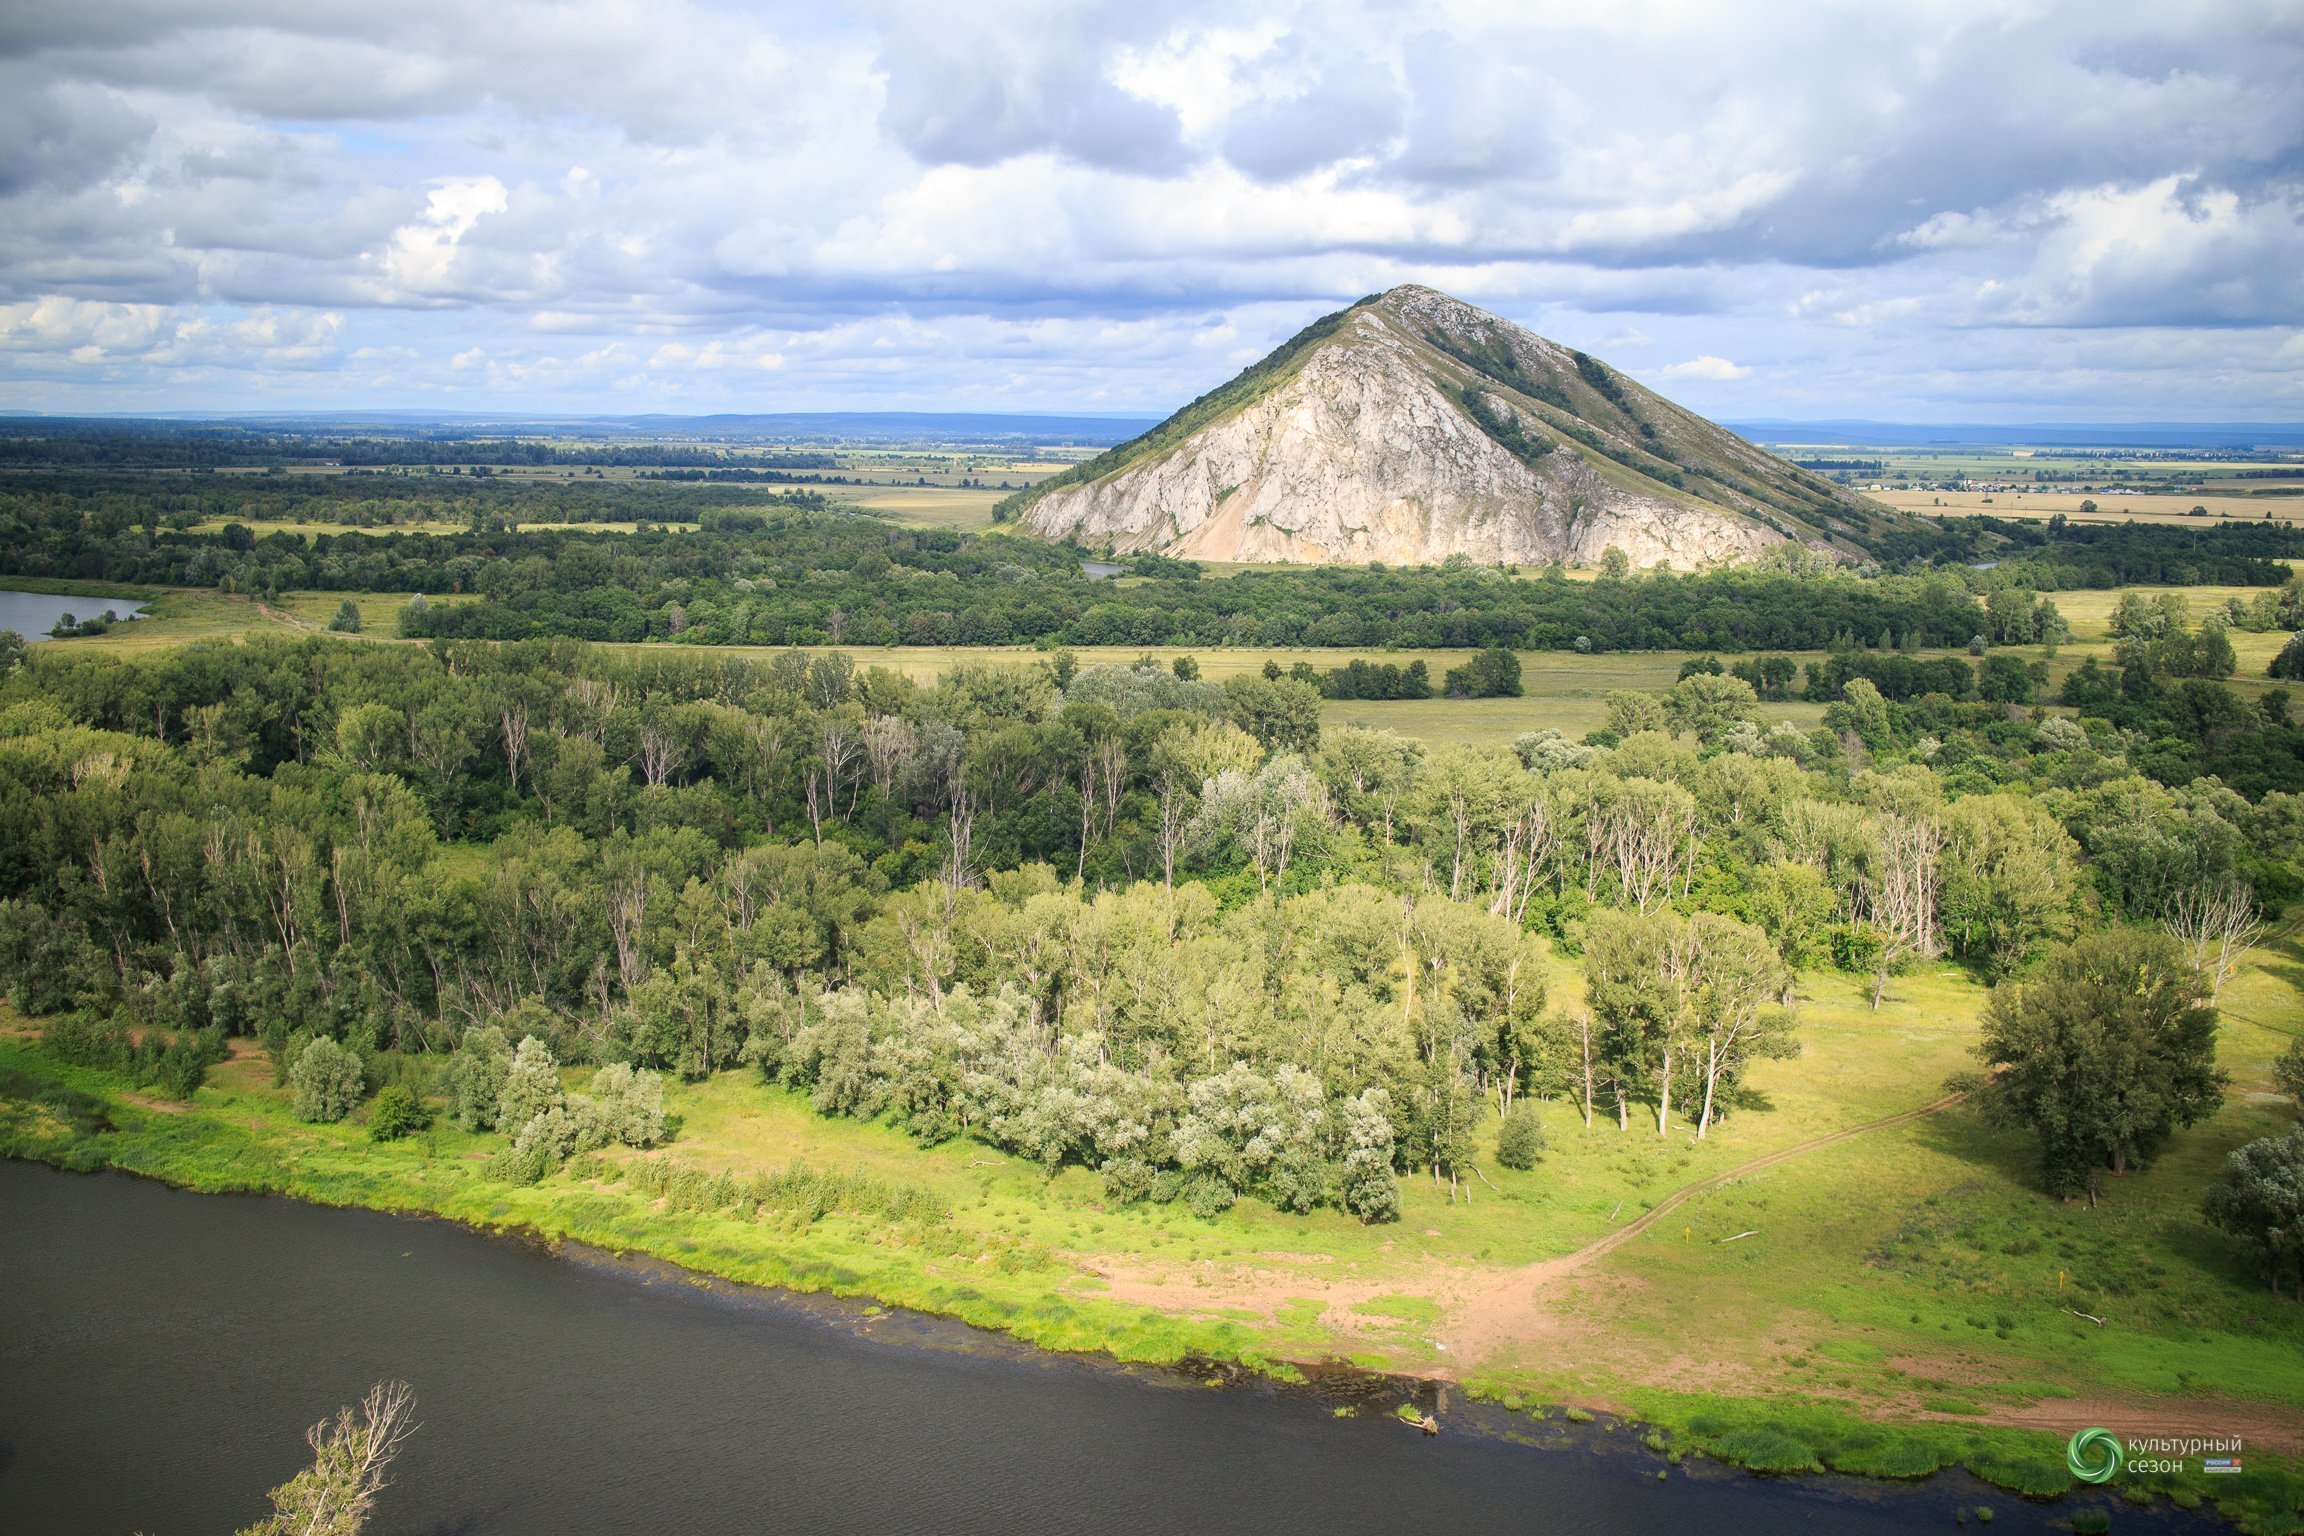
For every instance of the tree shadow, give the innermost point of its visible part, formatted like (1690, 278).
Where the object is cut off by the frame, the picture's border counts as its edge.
(2290, 966)
(1962, 1133)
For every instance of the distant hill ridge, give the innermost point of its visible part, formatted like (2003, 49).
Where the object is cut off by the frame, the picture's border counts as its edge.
(1412, 427)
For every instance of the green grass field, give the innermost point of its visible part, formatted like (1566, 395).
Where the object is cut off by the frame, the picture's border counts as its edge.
(924, 506)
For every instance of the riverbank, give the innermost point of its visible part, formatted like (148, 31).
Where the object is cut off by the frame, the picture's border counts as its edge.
(136, 1310)
(995, 1261)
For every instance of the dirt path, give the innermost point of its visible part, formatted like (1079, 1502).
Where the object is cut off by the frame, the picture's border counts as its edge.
(1513, 1311)
(1485, 1312)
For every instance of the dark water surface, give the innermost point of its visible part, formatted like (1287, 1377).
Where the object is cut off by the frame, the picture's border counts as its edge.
(161, 1354)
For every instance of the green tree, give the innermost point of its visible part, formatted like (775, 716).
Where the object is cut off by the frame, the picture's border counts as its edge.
(478, 1077)
(627, 1105)
(1792, 903)
(1708, 706)
(2010, 874)
(347, 619)
(531, 1087)
(1631, 712)
(1491, 674)
(1280, 712)
(326, 1081)
(2259, 1198)
(1366, 1184)
(2103, 1057)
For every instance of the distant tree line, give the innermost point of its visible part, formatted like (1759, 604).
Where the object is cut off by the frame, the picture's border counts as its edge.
(99, 444)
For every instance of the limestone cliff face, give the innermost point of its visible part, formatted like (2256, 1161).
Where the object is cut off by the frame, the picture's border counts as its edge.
(1414, 427)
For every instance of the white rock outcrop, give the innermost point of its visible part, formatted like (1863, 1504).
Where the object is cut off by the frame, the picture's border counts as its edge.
(1364, 452)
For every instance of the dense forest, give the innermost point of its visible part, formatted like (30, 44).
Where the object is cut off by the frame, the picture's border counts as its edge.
(1111, 916)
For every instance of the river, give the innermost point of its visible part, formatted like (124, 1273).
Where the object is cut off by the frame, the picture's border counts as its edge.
(33, 614)
(162, 1352)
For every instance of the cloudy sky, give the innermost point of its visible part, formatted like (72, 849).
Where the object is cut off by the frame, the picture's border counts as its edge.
(1898, 209)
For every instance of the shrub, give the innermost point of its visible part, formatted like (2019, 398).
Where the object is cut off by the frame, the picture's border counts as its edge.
(2288, 1071)
(1520, 1139)
(325, 1081)
(397, 1112)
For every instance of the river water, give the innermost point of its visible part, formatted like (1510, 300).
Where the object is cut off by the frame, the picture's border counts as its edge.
(161, 1354)
(33, 614)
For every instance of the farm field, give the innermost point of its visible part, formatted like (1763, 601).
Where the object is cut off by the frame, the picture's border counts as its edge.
(2111, 506)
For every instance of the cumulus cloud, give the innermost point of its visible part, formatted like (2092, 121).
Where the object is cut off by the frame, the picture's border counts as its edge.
(1715, 370)
(1042, 202)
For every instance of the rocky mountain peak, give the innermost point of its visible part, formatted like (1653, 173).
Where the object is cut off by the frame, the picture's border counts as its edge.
(1412, 427)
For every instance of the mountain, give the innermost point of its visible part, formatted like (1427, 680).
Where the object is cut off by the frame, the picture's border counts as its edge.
(1412, 427)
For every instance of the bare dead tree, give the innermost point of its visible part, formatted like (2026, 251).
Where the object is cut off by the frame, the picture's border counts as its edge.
(889, 742)
(513, 720)
(661, 754)
(2218, 924)
(1175, 812)
(959, 839)
(591, 704)
(1103, 780)
(1530, 845)
(626, 892)
(1584, 1036)
(1647, 842)
(351, 1462)
(837, 747)
(1901, 892)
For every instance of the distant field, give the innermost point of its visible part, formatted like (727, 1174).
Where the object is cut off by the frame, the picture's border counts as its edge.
(924, 506)
(1496, 722)
(2111, 507)
(309, 529)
